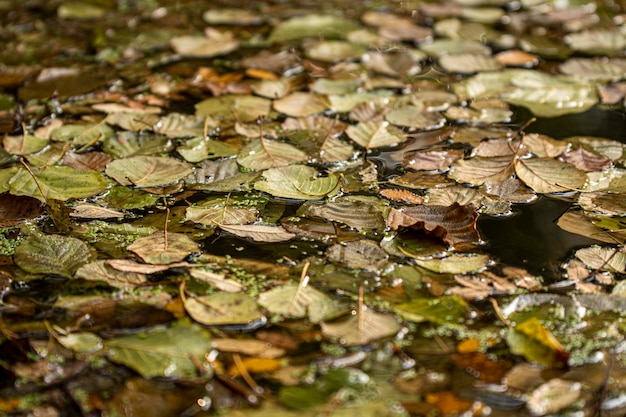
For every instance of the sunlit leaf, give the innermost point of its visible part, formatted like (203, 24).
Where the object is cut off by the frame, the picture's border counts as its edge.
(217, 280)
(82, 342)
(147, 171)
(258, 232)
(162, 351)
(202, 46)
(264, 153)
(82, 134)
(93, 211)
(363, 328)
(301, 301)
(101, 271)
(467, 63)
(23, 145)
(586, 161)
(154, 249)
(224, 308)
(251, 347)
(300, 104)
(332, 51)
(457, 263)
(51, 254)
(441, 47)
(224, 211)
(299, 182)
(415, 116)
(57, 183)
(126, 144)
(375, 134)
(478, 170)
(548, 175)
(432, 159)
(553, 396)
(311, 25)
(223, 16)
(603, 258)
(199, 148)
(600, 41)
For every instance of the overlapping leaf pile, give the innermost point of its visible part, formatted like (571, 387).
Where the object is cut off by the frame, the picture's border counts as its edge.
(255, 242)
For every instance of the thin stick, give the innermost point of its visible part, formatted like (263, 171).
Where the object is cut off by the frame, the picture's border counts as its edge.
(34, 179)
(167, 219)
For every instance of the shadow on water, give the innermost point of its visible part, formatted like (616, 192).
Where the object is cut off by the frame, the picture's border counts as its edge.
(530, 238)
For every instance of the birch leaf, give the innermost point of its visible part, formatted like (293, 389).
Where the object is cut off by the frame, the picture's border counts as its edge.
(51, 254)
(603, 258)
(375, 134)
(263, 153)
(546, 175)
(147, 171)
(299, 182)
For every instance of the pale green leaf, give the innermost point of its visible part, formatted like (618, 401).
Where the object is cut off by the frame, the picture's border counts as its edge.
(299, 182)
(202, 47)
(224, 308)
(223, 211)
(162, 351)
(57, 183)
(312, 25)
(295, 301)
(447, 309)
(265, 153)
(154, 250)
(51, 254)
(457, 263)
(375, 134)
(147, 171)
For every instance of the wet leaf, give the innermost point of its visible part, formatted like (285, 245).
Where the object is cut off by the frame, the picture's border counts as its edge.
(603, 258)
(82, 342)
(548, 175)
(87, 134)
(224, 309)
(93, 211)
(162, 351)
(223, 211)
(457, 263)
(361, 213)
(250, 347)
(300, 104)
(360, 254)
(51, 254)
(375, 134)
(478, 170)
(199, 148)
(15, 210)
(586, 161)
(23, 145)
(298, 182)
(363, 328)
(415, 116)
(101, 271)
(453, 224)
(154, 249)
(263, 153)
(57, 183)
(436, 310)
(202, 46)
(259, 233)
(431, 160)
(219, 281)
(147, 171)
(467, 63)
(534, 341)
(311, 25)
(333, 51)
(301, 301)
(553, 396)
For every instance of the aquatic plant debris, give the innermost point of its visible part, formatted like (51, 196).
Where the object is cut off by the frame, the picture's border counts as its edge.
(255, 208)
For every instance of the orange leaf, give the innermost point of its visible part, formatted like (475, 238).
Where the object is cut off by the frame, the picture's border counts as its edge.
(448, 403)
(256, 366)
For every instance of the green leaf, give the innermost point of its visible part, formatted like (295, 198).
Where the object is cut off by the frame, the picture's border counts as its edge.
(363, 328)
(154, 250)
(51, 254)
(264, 153)
(162, 351)
(147, 171)
(457, 263)
(57, 183)
(224, 210)
(535, 342)
(82, 134)
(82, 342)
(199, 148)
(301, 301)
(312, 25)
(453, 310)
(299, 182)
(224, 308)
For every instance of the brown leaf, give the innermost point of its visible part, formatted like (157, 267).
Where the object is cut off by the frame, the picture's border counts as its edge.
(497, 147)
(432, 160)
(455, 224)
(16, 209)
(361, 254)
(402, 196)
(90, 161)
(544, 146)
(586, 161)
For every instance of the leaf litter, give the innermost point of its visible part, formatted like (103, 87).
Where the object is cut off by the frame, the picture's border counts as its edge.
(276, 209)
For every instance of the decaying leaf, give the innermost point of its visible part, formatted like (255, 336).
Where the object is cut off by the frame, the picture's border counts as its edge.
(102, 271)
(375, 134)
(301, 301)
(548, 175)
(147, 171)
(299, 182)
(160, 248)
(362, 328)
(360, 254)
(259, 233)
(51, 254)
(219, 281)
(224, 308)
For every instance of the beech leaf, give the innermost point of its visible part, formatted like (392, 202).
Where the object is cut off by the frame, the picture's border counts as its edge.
(147, 171)
(224, 308)
(546, 175)
(299, 182)
(259, 233)
(375, 134)
(363, 328)
(301, 301)
(57, 183)
(263, 153)
(153, 249)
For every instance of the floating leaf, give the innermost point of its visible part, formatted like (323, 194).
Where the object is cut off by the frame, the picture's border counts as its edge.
(250, 347)
(259, 233)
(467, 63)
(603, 258)
(51, 254)
(162, 351)
(553, 396)
(299, 182)
(454, 224)
(478, 170)
(375, 134)
(147, 171)
(436, 310)
(300, 104)
(14, 209)
(546, 175)
(57, 183)
(311, 25)
(202, 46)
(301, 301)
(263, 153)
(23, 145)
(217, 280)
(586, 161)
(361, 213)
(101, 271)
(82, 134)
(223, 211)
(360, 254)
(199, 148)
(94, 211)
(432, 159)
(416, 117)
(154, 250)
(362, 328)
(333, 51)
(82, 342)
(457, 263)
(224, 309)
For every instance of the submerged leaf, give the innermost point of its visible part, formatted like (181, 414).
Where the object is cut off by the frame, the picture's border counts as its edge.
(436, 310)
(162, 351)
(224, 308)
(534, 341)
(154, 249)
(362, 328)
